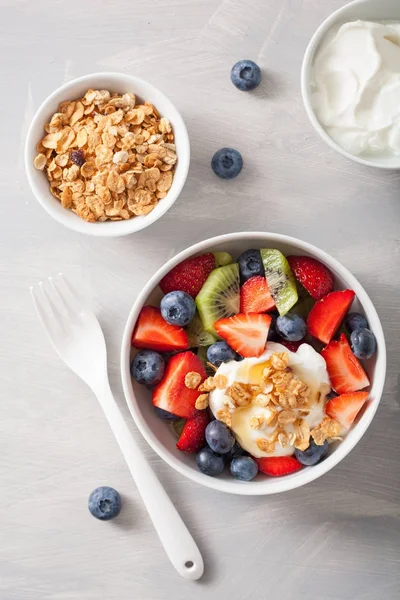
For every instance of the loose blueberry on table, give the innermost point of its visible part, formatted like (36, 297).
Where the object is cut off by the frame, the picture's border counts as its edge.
(104, 503)
(244, 356)
(246, 75)
(227, 163)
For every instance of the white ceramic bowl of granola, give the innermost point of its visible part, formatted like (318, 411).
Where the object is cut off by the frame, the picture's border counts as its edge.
(365, 10)
(113, 82)
(160, 436)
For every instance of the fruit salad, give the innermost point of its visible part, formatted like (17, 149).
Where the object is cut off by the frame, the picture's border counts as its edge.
(256, 364)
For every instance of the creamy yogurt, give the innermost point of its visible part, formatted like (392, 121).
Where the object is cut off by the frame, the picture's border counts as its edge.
(356, 87)
(306, 364)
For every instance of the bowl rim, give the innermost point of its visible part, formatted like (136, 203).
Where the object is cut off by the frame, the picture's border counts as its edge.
(106, 229)
(307, 474)
(306, 67)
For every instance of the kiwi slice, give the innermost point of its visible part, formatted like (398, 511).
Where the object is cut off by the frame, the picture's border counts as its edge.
(177, 427)
(222, 259)
(303, 307)
(304, 304)
(197, 335)
(219, 297)
(280, 279)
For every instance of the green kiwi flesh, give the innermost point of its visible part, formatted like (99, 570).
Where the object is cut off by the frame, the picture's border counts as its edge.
(219, 297)
(222, 259)
(280, 279)
(197, 335)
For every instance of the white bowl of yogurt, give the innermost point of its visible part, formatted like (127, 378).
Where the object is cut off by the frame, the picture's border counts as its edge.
(350, 82)
(306, 363)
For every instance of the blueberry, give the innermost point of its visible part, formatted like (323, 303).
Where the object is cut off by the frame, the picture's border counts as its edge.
(272, 333)
(313, 454)
(221, 352)
(219, 437)
(355, 321)
(246, 75)
(104, 503)
(209, 463)
(178, 308)
(244, 468)
(236, 451)
(250, 264)
(291, 327)
(363, 343)
(227, 163)
(164, 414)
(147, 368)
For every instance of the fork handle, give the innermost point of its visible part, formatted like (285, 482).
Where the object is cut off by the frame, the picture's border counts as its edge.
(173, 533)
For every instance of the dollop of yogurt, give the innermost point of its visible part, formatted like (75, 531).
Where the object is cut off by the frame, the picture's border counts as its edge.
(306, 364)
(356, 87)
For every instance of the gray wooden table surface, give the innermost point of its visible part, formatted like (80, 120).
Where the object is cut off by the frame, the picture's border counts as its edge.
(335, 539)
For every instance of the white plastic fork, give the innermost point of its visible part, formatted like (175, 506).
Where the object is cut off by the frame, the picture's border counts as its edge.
(76, 335)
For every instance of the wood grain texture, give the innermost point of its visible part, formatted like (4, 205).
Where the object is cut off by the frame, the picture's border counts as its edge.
(335, 539)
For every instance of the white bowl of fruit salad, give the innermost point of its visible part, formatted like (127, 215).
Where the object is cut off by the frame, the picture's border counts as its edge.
(253, 363)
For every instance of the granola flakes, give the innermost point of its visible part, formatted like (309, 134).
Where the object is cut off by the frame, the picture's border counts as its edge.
(327, 429)
(208, 385)
(262, 399)
(302, 432)
(256, 421)
(240, 393)
(266, 445)
(284, 400)
(286, 416)
(192, 380)
(220, 382)
(121, 152)
(224, 416)
(202, 402)
(280, 360)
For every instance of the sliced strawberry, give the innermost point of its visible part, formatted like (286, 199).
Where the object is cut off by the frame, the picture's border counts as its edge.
(292, 346)
(255, 296)
(190, 275)
(193, 435)
(346, 407)
(326, 315)
(171, 393)
(153, 333)
(275, 466)
(246, 334)
(344, 369)
(315, 277)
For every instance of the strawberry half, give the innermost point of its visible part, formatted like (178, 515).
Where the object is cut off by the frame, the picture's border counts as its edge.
(275, 466)
(312, 274)
(171, 393)
(255, 296)
(193, 435)
(153, 333)
(246, 333)
(346, 407)
(190, 275)
(326, 315)
(344, 369)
